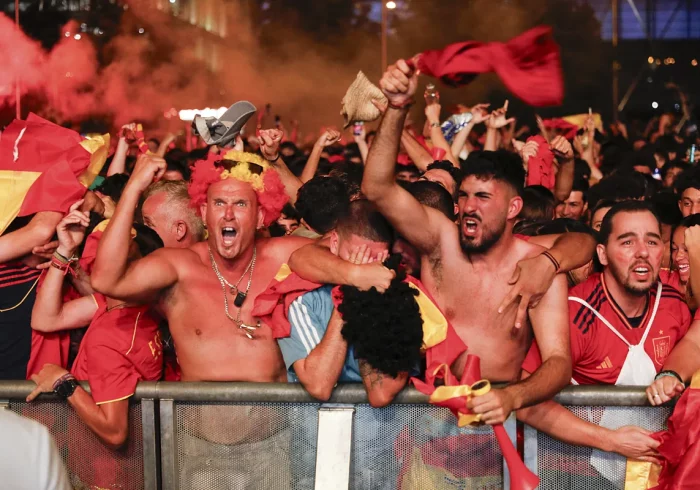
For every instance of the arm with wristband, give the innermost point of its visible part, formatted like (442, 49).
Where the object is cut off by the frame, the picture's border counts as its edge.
(50, 313)
(679, 367)
(109, 421)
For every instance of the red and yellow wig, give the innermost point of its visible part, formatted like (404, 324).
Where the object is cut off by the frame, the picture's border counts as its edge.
(245, 167)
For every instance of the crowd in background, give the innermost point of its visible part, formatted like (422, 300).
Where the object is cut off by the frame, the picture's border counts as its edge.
(107, 293)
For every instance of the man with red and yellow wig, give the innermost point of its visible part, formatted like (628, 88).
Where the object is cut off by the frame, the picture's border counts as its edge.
(207, 292)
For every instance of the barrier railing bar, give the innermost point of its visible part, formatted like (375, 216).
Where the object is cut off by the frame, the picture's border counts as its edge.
(594, 395)
(150, 445)
(168, 451)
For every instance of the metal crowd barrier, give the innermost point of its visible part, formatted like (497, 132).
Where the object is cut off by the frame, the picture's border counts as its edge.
(247, 436)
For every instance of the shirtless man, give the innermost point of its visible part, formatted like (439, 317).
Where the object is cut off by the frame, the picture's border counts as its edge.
(206, 292)
(226, 343)
(467, 269)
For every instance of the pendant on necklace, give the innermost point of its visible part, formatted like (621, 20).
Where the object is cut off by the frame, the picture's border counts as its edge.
(248, 329)
(239, 299)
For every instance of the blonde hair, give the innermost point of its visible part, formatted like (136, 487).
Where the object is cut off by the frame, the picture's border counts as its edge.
(178, 199)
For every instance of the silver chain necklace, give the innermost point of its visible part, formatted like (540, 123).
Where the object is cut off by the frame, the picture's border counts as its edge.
(240, 295)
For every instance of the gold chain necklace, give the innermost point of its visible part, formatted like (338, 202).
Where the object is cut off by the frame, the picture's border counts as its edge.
(240, 295)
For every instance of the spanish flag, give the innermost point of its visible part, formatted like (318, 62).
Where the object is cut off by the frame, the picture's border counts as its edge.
(272, 305)
(679, 450)
(45, 167)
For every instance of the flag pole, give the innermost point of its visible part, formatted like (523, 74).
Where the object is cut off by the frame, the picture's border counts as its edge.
(18, 107)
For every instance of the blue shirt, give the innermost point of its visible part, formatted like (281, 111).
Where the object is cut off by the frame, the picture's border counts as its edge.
(309, 315)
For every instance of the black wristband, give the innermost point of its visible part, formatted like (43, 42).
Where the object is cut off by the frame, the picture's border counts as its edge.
(668, 372)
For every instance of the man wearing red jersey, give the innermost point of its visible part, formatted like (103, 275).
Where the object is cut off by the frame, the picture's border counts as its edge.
(626, 329)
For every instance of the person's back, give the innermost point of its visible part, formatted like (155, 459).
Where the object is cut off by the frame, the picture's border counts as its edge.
(29, 458)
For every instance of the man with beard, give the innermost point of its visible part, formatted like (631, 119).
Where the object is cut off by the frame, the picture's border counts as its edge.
(468, 269)
(626, 329)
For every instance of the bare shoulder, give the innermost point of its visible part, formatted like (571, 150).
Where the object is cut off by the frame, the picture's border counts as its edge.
(280, 248)
(525, 250)
(179, 257)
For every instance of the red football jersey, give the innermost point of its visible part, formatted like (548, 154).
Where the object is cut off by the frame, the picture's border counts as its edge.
(122, 346)
(670, 278)
(597, 354)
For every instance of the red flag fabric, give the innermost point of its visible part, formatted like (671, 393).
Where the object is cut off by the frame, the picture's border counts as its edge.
(540, 168)
(54, 164)
(567, 129)
(529, 65)
(271, 305)
(680, 444)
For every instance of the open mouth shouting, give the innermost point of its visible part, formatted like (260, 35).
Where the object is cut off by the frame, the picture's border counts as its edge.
(642, 272)
(470, 226)
(228, 235)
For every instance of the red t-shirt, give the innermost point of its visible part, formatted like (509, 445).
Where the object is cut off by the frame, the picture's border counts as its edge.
(597, 354)
(670, 278)
(121, 347)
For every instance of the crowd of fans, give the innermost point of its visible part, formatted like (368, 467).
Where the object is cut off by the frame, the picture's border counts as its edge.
(163, 269)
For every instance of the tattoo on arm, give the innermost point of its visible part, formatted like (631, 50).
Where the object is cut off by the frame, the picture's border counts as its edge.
(375, 377)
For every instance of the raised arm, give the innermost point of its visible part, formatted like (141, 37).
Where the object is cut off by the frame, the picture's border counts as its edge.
(550, 323)
(420, 157)
(401, 209)
(270, 140)
(361, 141)
(143, 279)
(479, 115)
(565, 176)
(432, 113)
(50, 313)
(496, 121)
(118, 165)
(163, 147)
(328, 138)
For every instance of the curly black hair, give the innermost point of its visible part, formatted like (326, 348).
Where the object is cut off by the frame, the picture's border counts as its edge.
(386, 329)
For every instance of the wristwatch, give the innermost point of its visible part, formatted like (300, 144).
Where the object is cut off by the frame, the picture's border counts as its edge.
(65, 387)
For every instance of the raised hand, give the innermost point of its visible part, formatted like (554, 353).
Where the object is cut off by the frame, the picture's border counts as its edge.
(432, 113)
(561, 148)
(329, 137)
(399, 84)
(270, 140)
(497, 119)
(480, 113)
(148, 169)
(71, 230)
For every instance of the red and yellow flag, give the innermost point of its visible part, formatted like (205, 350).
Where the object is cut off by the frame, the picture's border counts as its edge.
(45, 167)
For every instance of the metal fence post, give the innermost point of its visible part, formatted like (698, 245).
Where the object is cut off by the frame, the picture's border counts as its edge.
(168, 451)
(511, 427)
(333, 447)
(530, 449)
(150, 444)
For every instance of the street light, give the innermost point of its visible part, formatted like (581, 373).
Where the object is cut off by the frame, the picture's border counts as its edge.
(386, 6)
